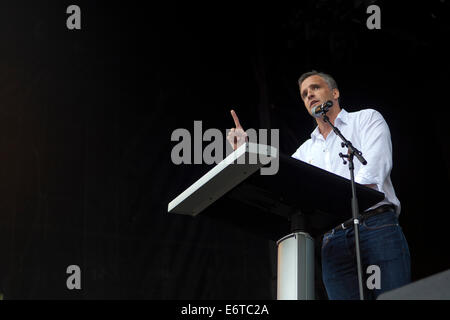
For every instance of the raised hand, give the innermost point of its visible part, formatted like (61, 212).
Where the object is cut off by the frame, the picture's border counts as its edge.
(237, 135)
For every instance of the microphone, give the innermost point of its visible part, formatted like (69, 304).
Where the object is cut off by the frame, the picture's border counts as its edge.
(318, 110)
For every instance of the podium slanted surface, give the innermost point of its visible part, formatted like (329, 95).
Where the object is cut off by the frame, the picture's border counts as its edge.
(234, 191)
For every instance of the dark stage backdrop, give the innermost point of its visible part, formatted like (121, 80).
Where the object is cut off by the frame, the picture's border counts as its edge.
(86, 118)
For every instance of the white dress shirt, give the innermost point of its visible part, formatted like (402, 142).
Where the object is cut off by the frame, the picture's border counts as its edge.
(369, 133)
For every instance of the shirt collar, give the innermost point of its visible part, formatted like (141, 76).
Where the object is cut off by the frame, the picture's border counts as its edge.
(316, 133)
(341, 117)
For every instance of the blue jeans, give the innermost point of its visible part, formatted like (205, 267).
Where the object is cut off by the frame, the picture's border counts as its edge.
(382, 244)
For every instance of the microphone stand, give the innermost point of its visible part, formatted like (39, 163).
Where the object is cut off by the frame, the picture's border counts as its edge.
(352, 152)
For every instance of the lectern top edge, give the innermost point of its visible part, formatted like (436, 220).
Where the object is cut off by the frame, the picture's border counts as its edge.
(222, 178)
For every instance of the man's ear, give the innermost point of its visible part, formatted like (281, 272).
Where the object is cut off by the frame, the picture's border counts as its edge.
(336, 94)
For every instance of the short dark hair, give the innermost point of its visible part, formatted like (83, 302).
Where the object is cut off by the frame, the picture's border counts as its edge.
(328, 79)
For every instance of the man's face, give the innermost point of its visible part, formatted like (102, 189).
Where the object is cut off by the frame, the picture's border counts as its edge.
(315, 91)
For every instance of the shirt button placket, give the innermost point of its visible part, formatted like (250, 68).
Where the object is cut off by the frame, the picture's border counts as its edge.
(327, 157)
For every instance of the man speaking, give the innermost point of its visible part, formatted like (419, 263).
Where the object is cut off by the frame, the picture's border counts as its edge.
(382, 242)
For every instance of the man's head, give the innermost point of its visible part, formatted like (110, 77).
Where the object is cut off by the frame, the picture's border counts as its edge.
(317, 88)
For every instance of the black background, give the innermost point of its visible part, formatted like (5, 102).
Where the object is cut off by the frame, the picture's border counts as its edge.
(86, 118)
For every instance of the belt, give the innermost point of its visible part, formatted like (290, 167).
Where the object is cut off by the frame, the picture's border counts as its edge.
(383, 208)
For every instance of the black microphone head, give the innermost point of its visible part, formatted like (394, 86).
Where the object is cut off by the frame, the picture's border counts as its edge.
(320, 109)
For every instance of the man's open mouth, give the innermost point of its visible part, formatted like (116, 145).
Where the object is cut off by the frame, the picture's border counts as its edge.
(313, 103)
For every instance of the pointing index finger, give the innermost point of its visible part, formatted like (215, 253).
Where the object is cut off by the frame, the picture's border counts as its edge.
(236, 119)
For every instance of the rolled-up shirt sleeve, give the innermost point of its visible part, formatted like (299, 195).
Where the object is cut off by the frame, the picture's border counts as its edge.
(376, 147)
